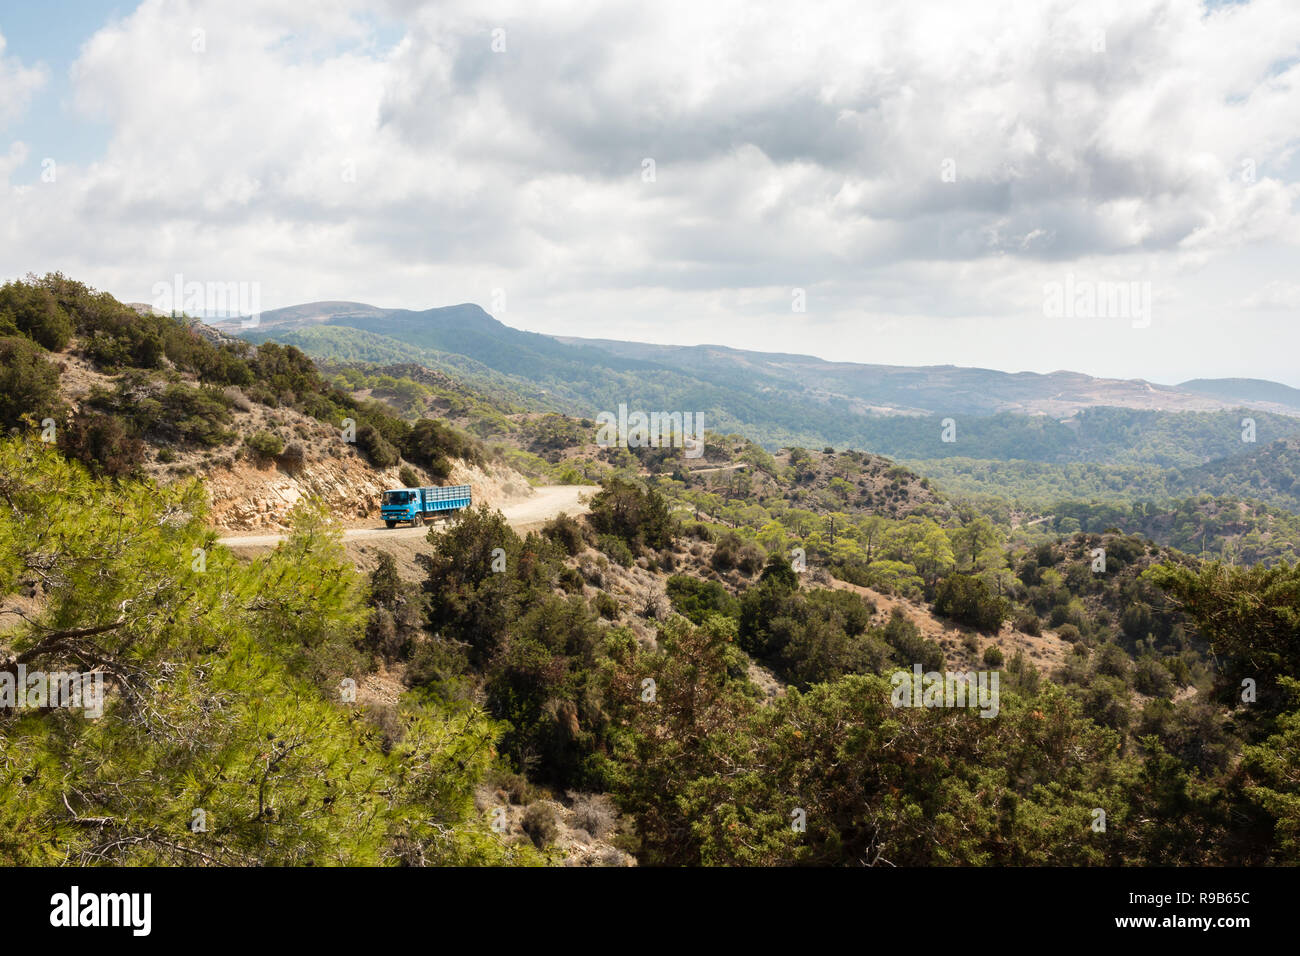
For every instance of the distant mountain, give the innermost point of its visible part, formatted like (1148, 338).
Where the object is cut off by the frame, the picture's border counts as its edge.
(784, 399)
(939, 389)
(457, 329)
(1245, 390)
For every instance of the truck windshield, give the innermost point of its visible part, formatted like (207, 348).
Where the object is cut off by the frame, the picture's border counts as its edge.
(398, 497)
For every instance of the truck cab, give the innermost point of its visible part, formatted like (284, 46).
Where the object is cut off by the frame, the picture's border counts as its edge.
(420, 505)
(401, 504)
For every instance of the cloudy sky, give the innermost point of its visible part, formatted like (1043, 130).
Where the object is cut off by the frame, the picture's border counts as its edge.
(922, 177)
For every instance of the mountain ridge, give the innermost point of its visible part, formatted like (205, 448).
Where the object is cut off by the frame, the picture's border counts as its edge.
(865, 389)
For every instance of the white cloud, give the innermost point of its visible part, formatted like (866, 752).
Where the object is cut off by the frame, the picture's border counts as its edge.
(792, 147)
(18, 83)
(1277, 295)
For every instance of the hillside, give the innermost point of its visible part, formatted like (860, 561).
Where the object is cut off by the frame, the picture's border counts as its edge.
(577, 688)
(132, 394)
(1245, 390)
(1270, 475)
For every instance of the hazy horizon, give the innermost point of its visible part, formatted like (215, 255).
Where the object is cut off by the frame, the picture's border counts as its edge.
(806, 353)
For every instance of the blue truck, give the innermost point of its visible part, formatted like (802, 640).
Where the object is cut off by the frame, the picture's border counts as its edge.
(419, 505)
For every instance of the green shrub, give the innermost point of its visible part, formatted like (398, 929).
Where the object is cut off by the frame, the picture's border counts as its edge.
(36, 313)
(968, 600)
(993, 656)
(908, 644)
(616, 548)
(696, 599)
(1152, 678)
(638, 515)
(606, 606)
(1112, 661)
(431, 444)
(191, 415)
(376, 449)
(1068, 632)
(1028, 622)
(732, 551)
(29, 384)
(102, 444)
(263, 446)
(567, 532)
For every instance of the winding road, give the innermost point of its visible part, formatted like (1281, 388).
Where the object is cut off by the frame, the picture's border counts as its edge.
(527, 512)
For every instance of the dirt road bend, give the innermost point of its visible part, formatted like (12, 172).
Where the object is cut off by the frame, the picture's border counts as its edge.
(520, 515)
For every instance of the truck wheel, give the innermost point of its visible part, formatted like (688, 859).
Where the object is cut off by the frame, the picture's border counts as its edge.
(389, 523)
(418, 521)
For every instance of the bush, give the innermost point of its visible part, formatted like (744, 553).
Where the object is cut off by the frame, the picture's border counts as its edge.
(1152, 678)
(408, 477)
(1028, 622)
(637, 515)
(29, 384)
(431, 444)
(734, 552)
(696, 599)
(517, 788)
(567, 532)
(750, 560)
(593, 571)
(909, 647)
(606, 606)
(197, 414)
(1112, 661)
(969, 601)
(36, 313)
(569, 580)
(376, 449)
(101, 444)
(237, 399)
(993, 656)
(263, 446)
(539, 824)
(1068, 632)
(616, 548)
(594, 813)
